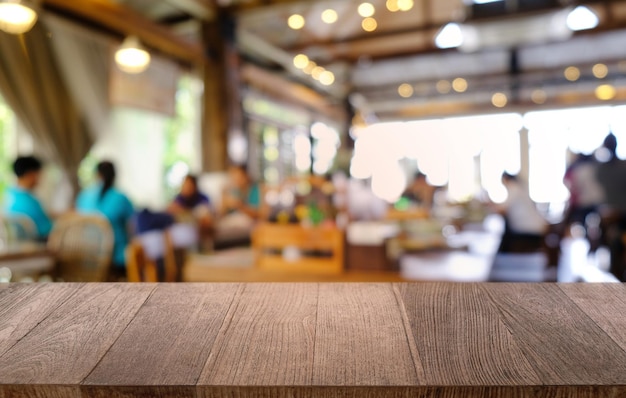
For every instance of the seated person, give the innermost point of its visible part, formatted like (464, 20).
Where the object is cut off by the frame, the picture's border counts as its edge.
(420, 192)
(240, 194)
(192, 204)
(21, 201)
(524, 226)
(105, 199)
(191, 201)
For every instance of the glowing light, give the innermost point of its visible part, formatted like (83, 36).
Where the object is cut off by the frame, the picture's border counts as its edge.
(366, 10)
(499, 100)
(582, 18)
(443, 86)
(317, 72)
(405, 5)
(388, 182)
(16, 18)
(327, 78)
(131, 57)
(606, 92)
(308, 69)
(459, 85)
(572, 73)
(296, 22)
(300, 61)
(600, 71)
(450, 36)
(369, 24)
(329, 16)
(539, 97)
(405, 90)
(392, 5)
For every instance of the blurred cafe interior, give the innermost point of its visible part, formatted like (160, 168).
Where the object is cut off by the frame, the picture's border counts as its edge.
(330, 140)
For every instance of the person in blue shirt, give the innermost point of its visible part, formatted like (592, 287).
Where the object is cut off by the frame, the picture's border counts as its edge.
(20, 201)
(105, 199)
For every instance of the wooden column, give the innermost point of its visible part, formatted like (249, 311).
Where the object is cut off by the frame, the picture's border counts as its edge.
(215, 118)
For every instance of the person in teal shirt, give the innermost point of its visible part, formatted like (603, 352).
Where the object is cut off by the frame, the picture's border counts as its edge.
(105, 199)
(20, 200)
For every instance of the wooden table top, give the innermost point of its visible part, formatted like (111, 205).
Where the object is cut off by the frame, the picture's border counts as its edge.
(298, 340)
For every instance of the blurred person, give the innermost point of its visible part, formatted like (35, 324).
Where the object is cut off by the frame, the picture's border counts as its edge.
(191, 201)
(524, 226)
(191, 204)
(241, 195)
(21, 201)
(103, 198)
(420, 192)
(586, 193)
(611, 175)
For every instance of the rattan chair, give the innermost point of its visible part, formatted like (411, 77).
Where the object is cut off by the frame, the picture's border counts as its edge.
(19, 228)
(83, 247)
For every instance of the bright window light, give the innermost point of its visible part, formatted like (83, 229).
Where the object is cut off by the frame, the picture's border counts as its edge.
(450, 36)
(582, 18)
(485, 1)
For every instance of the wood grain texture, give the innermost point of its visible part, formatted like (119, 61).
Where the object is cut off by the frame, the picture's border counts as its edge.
(267, 339)
(22, 307)
(607, 313)
(40, 391)
(169, 340)
(564, 346)
(360, 338)
(417, 392)
(460, 338)
(66, 345)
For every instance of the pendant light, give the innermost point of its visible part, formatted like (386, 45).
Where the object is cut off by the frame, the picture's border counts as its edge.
(17, 16)
(131, 57)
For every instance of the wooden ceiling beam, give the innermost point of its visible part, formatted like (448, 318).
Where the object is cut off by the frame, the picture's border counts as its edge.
(199, 9)
(126, 21)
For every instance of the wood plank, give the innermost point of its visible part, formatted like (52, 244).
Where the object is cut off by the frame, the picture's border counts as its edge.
(22, 307)
(418, 391)
(361, 339)
(167, 343)
(123, 19)
(605, 304)
(268, 339)
(460, 338)
(561, 342)
(65, 347)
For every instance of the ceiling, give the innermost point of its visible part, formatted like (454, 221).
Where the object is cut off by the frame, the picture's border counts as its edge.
(518, 55)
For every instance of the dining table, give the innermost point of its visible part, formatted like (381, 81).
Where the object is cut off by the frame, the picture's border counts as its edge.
(26, 259)
(430, 340)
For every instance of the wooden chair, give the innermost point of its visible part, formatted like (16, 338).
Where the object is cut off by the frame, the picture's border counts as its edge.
(83, 247)
(168, 247)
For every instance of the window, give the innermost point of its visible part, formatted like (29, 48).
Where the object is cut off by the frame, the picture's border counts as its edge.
(8, 145)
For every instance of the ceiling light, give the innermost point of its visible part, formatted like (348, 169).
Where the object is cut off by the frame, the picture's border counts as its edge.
(405, 5)
(499, 100)
(392, 5)
(600, 71)
(296, 22)
(369, 24)
(582, 18)
(539, 97)
(329, 16)
(131, 57)
(459, 85)
(300, 61)
(405, 90)
(572, 73)
(317, 72)
(606, 92)
(443, 86)
(327, 78)
(17, 16)
(450, 36)
(366, 10)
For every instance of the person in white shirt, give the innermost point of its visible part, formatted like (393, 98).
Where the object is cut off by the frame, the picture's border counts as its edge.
(525, 227)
